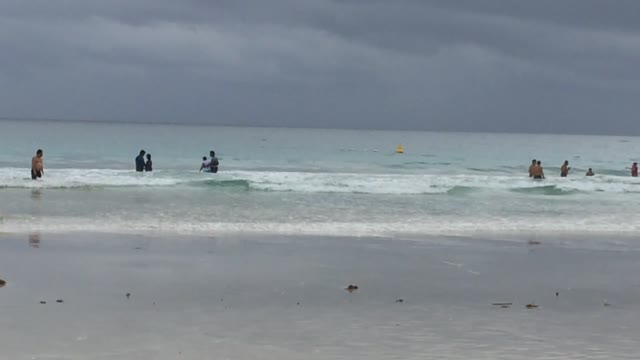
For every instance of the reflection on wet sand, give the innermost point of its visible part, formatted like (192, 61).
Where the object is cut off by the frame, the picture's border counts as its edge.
(34, 240)
(36, 194)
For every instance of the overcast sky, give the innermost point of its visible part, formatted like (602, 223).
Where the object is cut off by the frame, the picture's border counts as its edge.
(570, 66)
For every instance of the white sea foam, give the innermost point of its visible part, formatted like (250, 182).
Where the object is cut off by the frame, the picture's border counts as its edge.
(449, 225)
(318, 182)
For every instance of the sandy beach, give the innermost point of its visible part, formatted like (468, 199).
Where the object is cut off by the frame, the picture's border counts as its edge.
(253, 297)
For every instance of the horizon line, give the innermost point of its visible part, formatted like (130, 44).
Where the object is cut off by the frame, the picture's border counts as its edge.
(172, 123)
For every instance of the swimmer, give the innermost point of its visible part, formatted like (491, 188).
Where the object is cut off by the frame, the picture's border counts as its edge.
(634, 169)
(206, 164)
(148, 166)
(140, 161)
(37, 168)
(538, 171)
(589, 172)
(564, 169)
(533, 164)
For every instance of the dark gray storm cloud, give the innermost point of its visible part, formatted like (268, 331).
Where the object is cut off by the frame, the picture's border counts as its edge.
(470, 65)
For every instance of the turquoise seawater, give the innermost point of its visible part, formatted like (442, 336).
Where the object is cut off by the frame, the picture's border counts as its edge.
(312, 181)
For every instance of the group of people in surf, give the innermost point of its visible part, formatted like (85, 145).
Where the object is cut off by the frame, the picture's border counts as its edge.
(537, 172)
(211, 164)
(208, 165)
(141, 164)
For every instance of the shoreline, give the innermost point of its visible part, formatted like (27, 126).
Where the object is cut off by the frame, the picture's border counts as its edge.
(591, 241)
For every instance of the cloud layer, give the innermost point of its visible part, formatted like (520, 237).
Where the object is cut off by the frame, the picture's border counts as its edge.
(471, 65)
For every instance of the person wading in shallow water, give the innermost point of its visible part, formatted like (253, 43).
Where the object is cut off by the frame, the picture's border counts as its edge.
(37, 168)
(564, 169)
(140, 161)
(148, 166)
(214, 162)
(533, 164)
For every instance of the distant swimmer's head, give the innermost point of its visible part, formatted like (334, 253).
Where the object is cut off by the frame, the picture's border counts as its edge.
(635, 164)
(204, 158)
(39, 152)
(539, 162)
(212, 153)
(148, 156)
(566, 162)
(142, 152)
(533, 162)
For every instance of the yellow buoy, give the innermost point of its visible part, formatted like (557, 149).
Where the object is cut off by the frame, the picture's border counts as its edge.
(400, 149)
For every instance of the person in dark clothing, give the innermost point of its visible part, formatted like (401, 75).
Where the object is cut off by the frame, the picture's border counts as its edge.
(214, 162)
(148, 166)
(564, 169)
(140, 161)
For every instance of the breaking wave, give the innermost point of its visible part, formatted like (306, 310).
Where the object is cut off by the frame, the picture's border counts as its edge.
(321, 182)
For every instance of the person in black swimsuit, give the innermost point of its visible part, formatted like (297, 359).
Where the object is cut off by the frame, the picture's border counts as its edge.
(37, 169)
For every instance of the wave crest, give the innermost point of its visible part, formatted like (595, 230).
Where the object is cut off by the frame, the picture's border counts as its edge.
(322, 182)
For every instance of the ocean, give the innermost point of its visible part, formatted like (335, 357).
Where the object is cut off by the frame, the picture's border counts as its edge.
(313, 182)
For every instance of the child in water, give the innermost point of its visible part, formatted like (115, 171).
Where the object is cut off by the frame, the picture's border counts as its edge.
(148, 166)
(206, 164)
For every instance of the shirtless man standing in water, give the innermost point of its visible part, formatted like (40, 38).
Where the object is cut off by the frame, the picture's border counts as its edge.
(537, 171)
(533, 164)
(37, 169)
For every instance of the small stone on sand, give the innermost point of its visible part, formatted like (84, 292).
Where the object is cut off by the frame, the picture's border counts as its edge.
(2, 283)
(399, 300)
(534, 242)
(128, 295)
(59, 301)
(532, 306)
(43, 302)
(351, 288)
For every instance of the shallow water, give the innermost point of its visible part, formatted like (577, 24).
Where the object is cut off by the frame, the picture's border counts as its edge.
(328, 182)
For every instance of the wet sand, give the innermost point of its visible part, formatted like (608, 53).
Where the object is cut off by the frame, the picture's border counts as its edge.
(248, 297)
